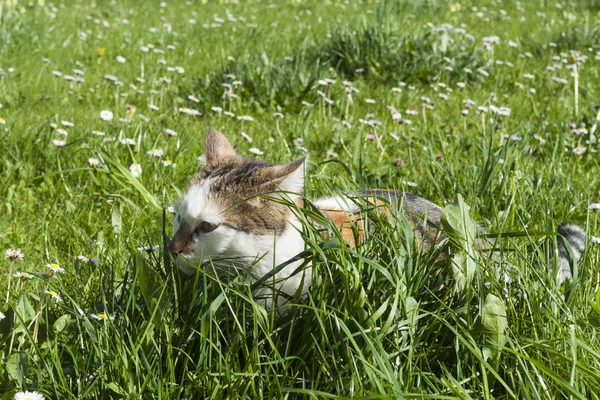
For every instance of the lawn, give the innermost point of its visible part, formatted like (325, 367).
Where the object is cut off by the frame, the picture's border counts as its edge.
(103, 109)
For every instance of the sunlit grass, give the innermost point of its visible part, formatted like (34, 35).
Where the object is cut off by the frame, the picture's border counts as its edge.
(419, 96)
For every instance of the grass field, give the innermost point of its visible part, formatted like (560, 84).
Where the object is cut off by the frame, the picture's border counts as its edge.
(103, 110)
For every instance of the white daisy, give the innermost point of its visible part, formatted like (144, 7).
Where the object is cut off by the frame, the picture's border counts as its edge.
(594, 206)
(121, 59)
(171, 132)
(136, 170)
(106, 115)
(55, 268)
(155, 152)
(579, 150)
(14, 254)
(59, 143)
(189, 111)
(27, 395)
(55, 296)
(88, 259)
(102, 316)
(22, 275)
(94, 162)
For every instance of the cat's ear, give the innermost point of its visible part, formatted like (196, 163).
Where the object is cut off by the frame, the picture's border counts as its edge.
(217, 148)
(289, 177)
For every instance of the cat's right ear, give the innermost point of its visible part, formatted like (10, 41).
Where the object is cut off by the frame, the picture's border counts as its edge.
(217, 149)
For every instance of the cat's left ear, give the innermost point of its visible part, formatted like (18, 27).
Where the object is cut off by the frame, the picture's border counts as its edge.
(217, 149)
(289, 177)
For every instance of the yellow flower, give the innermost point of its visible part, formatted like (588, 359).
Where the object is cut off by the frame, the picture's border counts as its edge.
(100, 51)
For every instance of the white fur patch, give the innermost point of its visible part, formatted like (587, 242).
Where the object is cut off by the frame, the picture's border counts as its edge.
(337, 203)
(194, 206)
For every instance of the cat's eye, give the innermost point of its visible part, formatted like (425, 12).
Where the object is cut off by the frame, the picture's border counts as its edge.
(178, 218)
(205, 227)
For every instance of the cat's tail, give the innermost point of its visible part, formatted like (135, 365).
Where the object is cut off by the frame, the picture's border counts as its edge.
(571, 246)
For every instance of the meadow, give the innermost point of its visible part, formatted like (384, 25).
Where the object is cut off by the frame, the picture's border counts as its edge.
(103, 109)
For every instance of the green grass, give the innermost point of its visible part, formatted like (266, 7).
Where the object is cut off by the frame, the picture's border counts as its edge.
(382, 321)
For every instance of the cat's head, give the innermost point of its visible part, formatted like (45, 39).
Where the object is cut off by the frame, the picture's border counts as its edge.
(225, 212)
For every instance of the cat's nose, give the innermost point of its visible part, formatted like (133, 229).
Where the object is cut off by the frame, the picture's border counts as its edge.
(173, 249)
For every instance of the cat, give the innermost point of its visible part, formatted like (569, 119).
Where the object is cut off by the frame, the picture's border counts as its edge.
(224, 217)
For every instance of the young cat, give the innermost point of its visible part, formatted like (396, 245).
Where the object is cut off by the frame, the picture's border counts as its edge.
(224, 218)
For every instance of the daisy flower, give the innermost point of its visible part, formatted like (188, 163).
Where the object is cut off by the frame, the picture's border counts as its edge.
(155, 152)
(27, 395)
(153, 107)
(216, 109)
(245, 118)
(55, 296)
(61, 131)
(102, 316)
(55, 268)
(106, 115)
(256, 151)
(14, 254)
(189, 111)
(22, 275)
(88, 259)
(370, 101)
(98, 133)
(128, 141)
(193, 98)
(594, 206)
(539, 138)
(229, 113)
(94, 162)
(136, 170)
(579, 150)
(121, 59)
(59, 143)
(169, 163)
(247, 137)
(2, 316)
